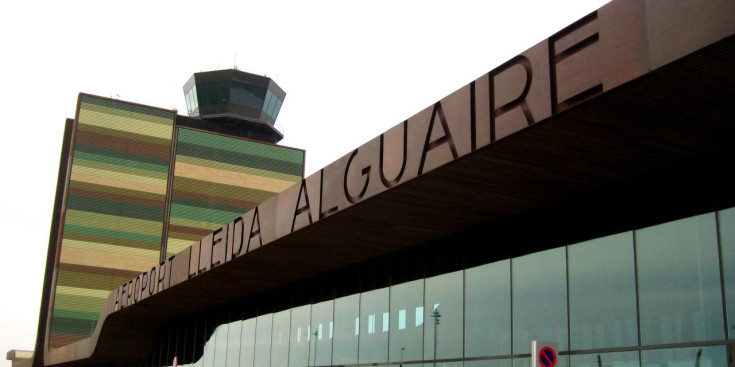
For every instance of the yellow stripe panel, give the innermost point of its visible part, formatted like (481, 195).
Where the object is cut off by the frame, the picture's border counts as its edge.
(115, 223)
(230, 178)
(112, 249)
(119, 176)
(113, 182)
(195, 223)
(236, 168)
(107, 167)
(85, 292)
(95, 258)
(126, 124)
(72, 303)
(175, 246)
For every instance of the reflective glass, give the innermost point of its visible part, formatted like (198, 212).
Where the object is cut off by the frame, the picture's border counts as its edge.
(263, 328)
(443, 316)
(373, 327)
(685, 357)
(490, 363)
(539, 299)
(247, 343)
(208, 355)
(322, 330)
(279, 339)
(220, 347)
(487, 310)
(680, 297)
(406, 335)
(727, 238)
(621, 359)
(234, 330)
(602, 300)
(346, 329)
(301, 337)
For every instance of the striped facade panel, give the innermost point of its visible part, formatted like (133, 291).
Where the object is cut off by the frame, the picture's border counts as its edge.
(115, 208)
(217, 178)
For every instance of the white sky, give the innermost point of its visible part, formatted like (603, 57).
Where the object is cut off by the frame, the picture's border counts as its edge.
(350, 69)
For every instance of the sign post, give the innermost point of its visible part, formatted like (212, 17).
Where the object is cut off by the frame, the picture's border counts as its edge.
(543, 354)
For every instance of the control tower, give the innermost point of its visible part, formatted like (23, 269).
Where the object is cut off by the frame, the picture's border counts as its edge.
(234, 102)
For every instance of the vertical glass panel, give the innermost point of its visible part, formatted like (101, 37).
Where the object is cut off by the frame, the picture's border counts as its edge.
(234, 331)
(220, 347)
(443, 316)
(685, 357)
(679, 282)
(279, 339)
(208, 356)
(263, 328)
(621, 359)
(247, 343)
(602, 300)
(373, 340)
(406, 339)
(539, 299)
(346, 315)
(727, 238)
(321, 331)
(487, 310)
(301, 337)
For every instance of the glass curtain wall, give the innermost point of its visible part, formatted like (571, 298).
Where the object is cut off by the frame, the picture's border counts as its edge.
(655, 296)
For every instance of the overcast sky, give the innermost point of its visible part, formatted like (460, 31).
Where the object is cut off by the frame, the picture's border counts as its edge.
(350, 69)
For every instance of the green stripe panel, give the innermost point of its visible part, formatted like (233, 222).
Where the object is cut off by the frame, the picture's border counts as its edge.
(231, 157)
(210, 205)
(121, 108)
(114, 210)
(207, 205)
(117, 208)
(66, 325)
(203, 214)
(120, 238)
(132, 159)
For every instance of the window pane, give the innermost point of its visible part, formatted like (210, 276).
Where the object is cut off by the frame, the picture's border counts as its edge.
(539, 300)
(443, 316)
(208, 356)
(321, 333)
(373, 340)
(679, 282)
(279, 339)
(263, 328)
(406, 338)
(487, 310)
(346, 311)
(622, 359)
(247, 343)
(727, 238)
(301, 337)
(490, 363)
(602, 293)
(685, 357)
(220, 349)
(234, 329)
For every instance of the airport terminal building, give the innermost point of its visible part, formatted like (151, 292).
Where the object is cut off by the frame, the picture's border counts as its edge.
(578, 196)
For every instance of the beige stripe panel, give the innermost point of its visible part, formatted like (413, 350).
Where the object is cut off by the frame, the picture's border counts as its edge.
(230, 178)
(95, 258)
(161, 190)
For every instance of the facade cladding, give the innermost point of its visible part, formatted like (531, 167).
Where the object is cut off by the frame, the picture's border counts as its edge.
(118, 193)
(217, 178)
(654, 296)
